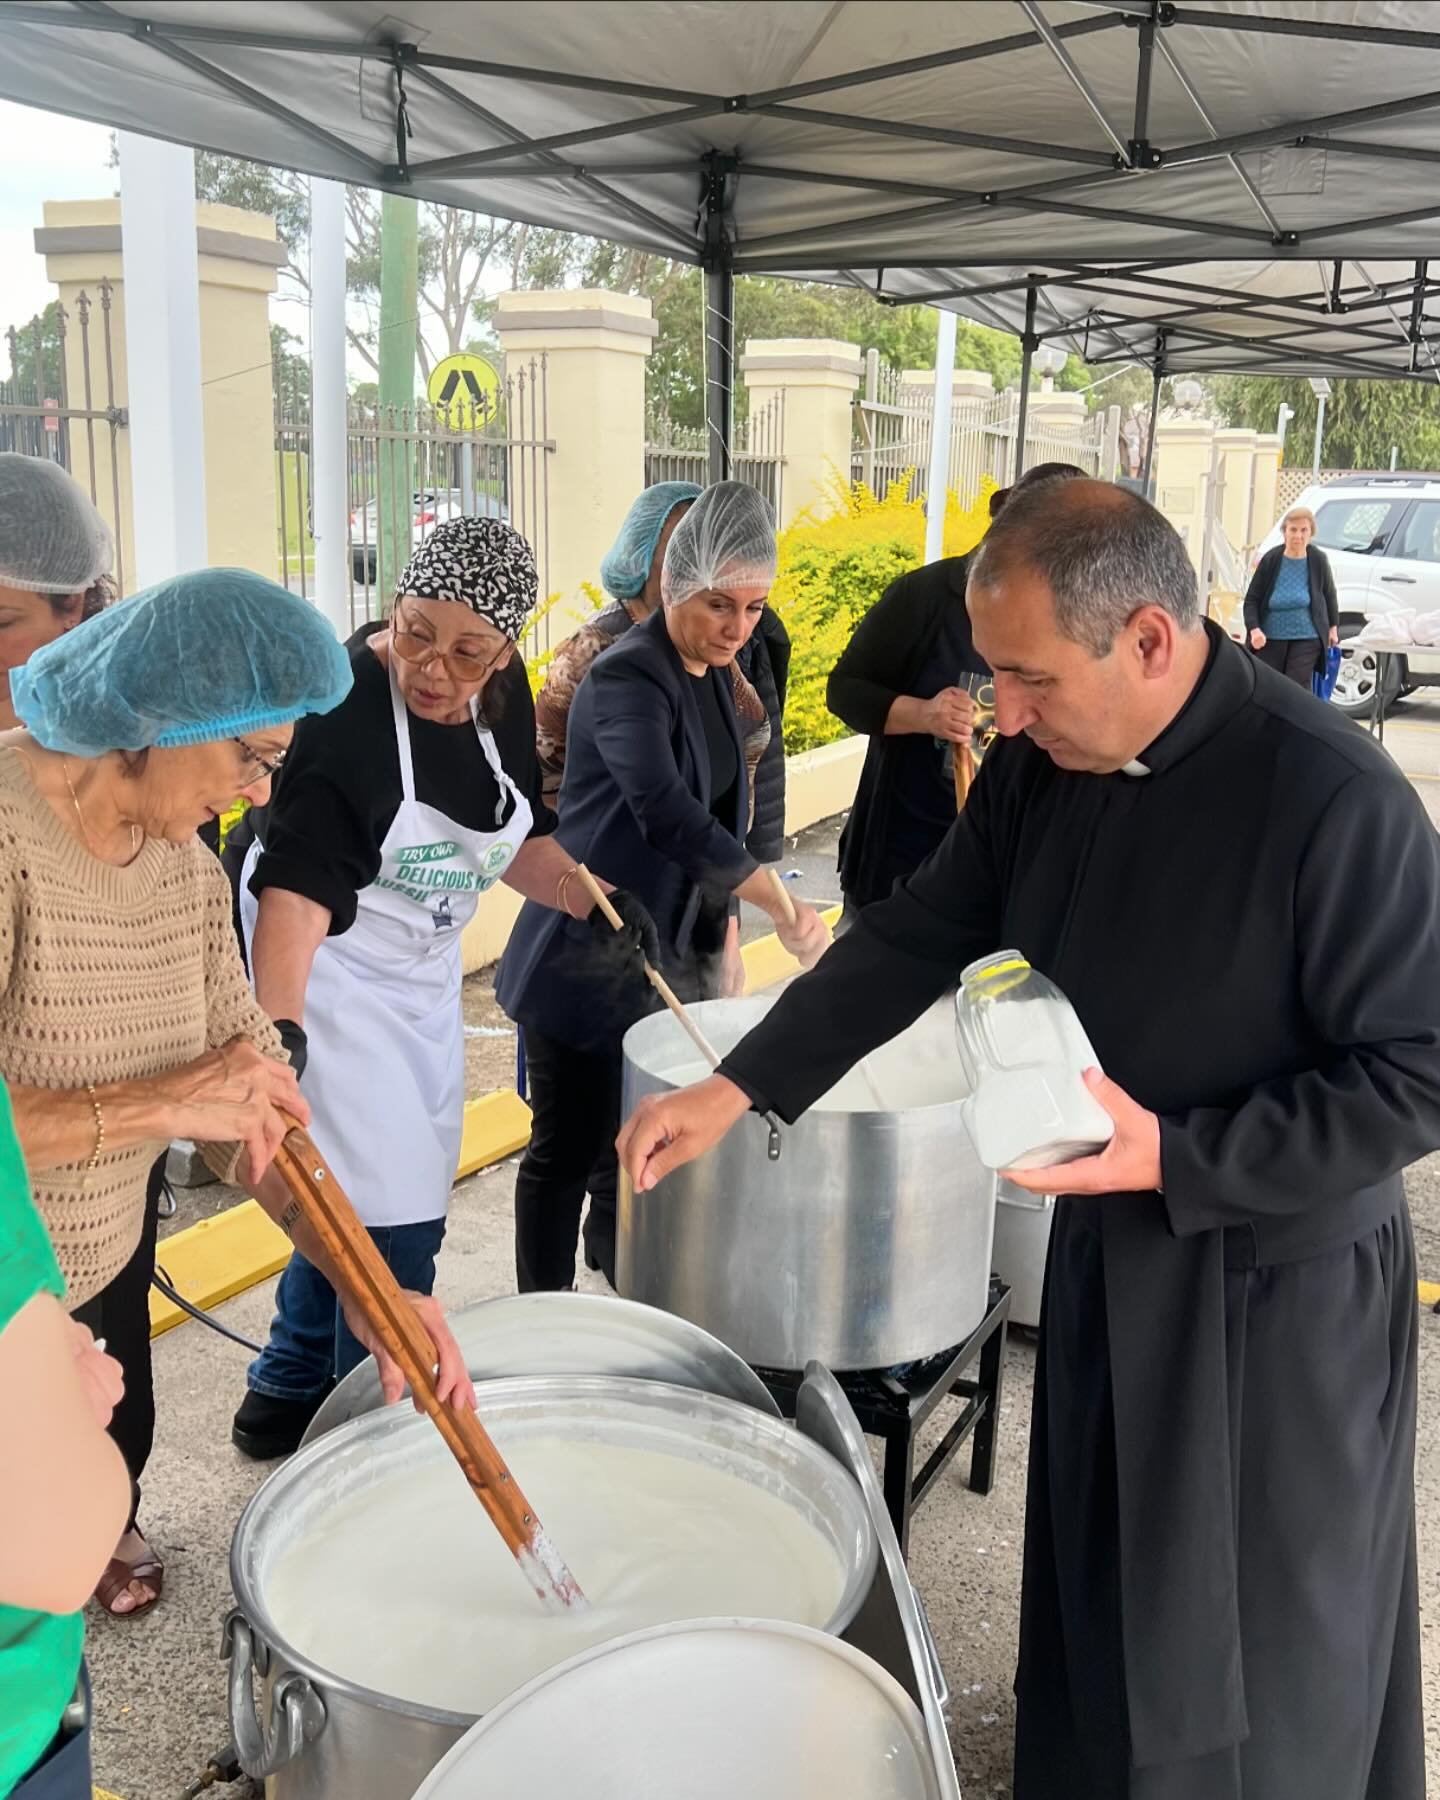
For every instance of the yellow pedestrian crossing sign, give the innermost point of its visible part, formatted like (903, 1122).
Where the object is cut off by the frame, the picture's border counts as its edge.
(464, 382)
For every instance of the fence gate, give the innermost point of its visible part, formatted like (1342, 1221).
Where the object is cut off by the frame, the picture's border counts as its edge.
(417, 466)
(892, 425)
(40, 416)
(681, 452)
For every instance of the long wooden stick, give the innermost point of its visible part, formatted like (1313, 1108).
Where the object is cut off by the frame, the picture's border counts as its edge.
(661, 986)
(964, 775)
(782, 893)
(367, 1281)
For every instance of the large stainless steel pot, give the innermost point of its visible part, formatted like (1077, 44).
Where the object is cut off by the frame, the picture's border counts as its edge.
(865, 1243)
(324, 1737)
(708, 1710)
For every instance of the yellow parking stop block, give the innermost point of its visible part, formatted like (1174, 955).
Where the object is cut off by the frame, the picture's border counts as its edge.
(218, 1258)
(768, 961)
(1429, 1292)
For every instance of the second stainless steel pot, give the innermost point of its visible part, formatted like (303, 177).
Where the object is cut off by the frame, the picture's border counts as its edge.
(865, 1244)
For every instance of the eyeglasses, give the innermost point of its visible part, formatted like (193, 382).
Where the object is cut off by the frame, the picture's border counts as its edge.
(415, 648)
(269, 766)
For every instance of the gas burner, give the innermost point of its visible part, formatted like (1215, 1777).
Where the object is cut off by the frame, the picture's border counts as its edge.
(894, 1404)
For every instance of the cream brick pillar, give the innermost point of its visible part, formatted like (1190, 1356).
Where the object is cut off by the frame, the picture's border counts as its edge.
(595, 345)
(1264, 505)
(1058, 415)
(965, 384)
(815, 380)
(1183, 450)
(239, 260)
(1237, 467)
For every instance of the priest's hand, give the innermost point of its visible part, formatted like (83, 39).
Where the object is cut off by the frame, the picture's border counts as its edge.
(1129, 1163)
(666, 1130)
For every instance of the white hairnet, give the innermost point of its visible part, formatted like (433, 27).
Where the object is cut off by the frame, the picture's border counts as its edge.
(727, 539)
(52, 540)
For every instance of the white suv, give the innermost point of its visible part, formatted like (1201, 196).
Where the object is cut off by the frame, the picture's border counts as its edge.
(1382, 535)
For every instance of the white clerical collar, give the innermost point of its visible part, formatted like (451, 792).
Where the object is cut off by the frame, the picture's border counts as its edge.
(1134, 767)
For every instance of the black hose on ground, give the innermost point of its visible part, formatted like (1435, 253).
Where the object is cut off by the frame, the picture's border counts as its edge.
(163, 1282)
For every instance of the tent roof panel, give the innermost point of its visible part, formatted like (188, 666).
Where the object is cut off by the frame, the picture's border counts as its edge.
(925, 147)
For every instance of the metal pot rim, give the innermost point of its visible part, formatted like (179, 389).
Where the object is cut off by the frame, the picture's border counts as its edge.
(389, 1420)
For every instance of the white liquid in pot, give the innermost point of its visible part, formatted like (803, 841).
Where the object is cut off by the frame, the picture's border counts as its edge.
(921, 1067)
(406, 1587)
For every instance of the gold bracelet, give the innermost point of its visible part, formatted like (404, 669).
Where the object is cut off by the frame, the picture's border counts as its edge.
(562, 904)
(98, 1110)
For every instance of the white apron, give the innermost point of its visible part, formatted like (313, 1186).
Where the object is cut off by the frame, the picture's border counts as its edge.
(386, 1076)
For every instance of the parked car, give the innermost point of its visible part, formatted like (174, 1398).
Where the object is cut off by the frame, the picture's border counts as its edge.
(1382, 535)
(429, 508)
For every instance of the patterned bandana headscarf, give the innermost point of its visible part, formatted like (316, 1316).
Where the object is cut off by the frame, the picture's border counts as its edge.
(481, 563)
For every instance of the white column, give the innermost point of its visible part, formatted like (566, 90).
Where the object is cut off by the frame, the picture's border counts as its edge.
(329, 499)
(940, 438)
(162, 348)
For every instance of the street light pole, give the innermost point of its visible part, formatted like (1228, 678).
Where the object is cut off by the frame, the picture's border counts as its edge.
(1321, 389)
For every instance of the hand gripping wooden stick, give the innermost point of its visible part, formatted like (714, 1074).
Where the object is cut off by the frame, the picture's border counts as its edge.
(782, 893)
(661, 986)
(369, 1284)
(677, 1006)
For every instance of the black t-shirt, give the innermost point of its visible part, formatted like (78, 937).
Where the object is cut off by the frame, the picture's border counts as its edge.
(924, 793)
(338, 794)
(719, 745)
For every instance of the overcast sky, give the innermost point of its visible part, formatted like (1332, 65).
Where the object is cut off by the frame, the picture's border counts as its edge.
(44, 158)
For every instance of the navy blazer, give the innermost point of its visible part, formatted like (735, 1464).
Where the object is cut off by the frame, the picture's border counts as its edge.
(634, 807)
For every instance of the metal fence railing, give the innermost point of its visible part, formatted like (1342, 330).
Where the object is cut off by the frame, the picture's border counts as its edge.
(892, 426)
(679, 452)
(60, 401)
(416, 466)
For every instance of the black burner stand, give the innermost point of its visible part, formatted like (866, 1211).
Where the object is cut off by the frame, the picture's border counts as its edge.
(895, 1410)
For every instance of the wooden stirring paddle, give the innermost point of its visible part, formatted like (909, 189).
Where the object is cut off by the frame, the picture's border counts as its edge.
(964, 775)
(369, 1284)
(677, 1006)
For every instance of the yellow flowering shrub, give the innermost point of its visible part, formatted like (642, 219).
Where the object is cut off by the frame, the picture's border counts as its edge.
(833, 570)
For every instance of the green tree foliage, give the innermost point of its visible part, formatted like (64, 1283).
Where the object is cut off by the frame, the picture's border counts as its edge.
(35, 357)
(1363, 419)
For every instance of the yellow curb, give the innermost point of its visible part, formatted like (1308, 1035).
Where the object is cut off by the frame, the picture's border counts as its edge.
(218, 1258)
(103, 1794)
(768, 961)
(1429, 1292)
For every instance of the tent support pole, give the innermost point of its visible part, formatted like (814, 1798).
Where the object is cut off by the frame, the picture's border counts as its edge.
(1149, 463)
(719, 278)
(1028, 345)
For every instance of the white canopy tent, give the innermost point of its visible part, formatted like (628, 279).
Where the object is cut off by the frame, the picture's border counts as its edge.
(1247, 186)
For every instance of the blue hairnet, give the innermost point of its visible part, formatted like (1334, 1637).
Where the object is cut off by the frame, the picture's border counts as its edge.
(626, 567)
(213, 654)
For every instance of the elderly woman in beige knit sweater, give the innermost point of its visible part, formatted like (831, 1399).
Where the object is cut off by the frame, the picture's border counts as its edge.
(125, 1015)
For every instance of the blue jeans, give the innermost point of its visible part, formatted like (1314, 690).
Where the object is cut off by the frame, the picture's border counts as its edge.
(310, 1344)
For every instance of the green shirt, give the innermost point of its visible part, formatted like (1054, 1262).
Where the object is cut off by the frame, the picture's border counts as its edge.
(39, 1652)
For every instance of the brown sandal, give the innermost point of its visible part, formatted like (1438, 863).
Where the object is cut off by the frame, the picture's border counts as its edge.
(118, 1576)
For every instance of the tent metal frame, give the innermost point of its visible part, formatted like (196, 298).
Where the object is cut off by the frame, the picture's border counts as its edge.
(1318, 322)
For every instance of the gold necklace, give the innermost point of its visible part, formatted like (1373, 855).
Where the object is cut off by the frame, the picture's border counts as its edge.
(84, 828)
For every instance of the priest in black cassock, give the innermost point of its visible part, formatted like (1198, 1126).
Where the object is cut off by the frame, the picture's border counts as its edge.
(1240, 893)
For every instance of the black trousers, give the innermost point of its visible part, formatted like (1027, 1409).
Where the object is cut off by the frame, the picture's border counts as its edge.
(575, 1102)
(120, 1313)
(1295, 658)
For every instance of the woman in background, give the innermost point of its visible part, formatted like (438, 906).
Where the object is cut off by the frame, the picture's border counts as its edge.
(1292, 613)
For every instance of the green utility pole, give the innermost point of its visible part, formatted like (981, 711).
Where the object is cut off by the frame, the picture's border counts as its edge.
(399, 304)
